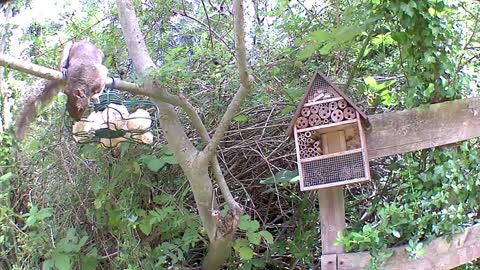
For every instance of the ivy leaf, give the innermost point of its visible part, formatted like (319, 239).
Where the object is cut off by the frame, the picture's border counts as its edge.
(267, 236)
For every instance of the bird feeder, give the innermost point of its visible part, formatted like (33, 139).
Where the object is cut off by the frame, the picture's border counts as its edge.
(329, 137)
(114, 120)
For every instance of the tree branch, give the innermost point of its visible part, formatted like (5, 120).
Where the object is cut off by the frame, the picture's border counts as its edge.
(245, 84)
(55, 75)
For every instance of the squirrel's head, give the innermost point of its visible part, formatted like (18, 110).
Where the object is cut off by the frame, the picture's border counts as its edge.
(77, 103)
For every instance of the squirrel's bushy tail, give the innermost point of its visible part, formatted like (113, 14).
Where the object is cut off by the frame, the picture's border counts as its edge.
(33, 105)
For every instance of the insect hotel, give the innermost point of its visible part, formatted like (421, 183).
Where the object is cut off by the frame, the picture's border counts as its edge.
(329, 137)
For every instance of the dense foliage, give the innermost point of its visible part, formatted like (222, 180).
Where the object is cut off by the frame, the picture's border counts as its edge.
(69, 206)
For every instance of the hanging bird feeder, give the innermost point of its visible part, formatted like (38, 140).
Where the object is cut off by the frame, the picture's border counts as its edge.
(114, 120)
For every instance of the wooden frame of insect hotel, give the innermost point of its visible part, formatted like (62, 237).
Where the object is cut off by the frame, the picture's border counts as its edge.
(329, 137)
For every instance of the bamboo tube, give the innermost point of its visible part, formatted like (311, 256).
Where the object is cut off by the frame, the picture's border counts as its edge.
(337, 116)
(301, 122)
(342, 104)
(349, 113)
(314, 120)
(305, 112)
(333, 105)
(324, 112)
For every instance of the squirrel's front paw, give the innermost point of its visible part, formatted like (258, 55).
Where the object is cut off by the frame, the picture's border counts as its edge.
(64, 72)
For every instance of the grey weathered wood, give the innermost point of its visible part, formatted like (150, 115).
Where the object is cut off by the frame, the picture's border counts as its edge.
(331, 200)
(329, 262)
(423, 127)
(439, 254)
(332, 218)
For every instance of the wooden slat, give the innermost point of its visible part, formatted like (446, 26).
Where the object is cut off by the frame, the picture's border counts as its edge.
(329, 262)
(424, 127)
(323, 101)
(297, 149)
(336, 184)
(336, 154)
(439, 254)
(363, 142)
(329, 127)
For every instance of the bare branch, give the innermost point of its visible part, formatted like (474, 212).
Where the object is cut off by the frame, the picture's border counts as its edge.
(55, 75)
(208, 22)
(245, 84)
(219, 37)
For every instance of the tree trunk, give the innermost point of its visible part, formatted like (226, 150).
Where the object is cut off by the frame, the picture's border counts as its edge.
(5, 100)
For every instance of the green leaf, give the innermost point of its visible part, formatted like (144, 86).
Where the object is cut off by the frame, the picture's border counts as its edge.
(136, 167)
(254, 226)
(246, 253)
(348, 33)
(295, 93)
(327, 48)
(307, 51)
(239, 243)
(370, 81)
(267, 236)
(82, 241)
(88, 263)
(169, 159)
(241, 118)
(155, 164)
(254, 238)
(396, 233)
(48, 264)
(287, 110)
(44, 213)
(320, 36)
(283, 176)
(166, 150)
(5, 177)
(248, 225)
(145, 226)
(62, 261)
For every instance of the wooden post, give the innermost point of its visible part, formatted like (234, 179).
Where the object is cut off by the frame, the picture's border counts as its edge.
(332, 218)
(332, 206)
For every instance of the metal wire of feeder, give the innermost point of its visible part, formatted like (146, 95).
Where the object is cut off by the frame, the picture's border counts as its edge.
(110, 126)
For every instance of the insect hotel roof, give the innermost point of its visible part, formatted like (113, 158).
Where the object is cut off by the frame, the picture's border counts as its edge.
(329, 138)
(320, 82)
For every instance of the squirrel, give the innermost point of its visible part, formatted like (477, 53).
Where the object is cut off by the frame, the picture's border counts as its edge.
(81, 62)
